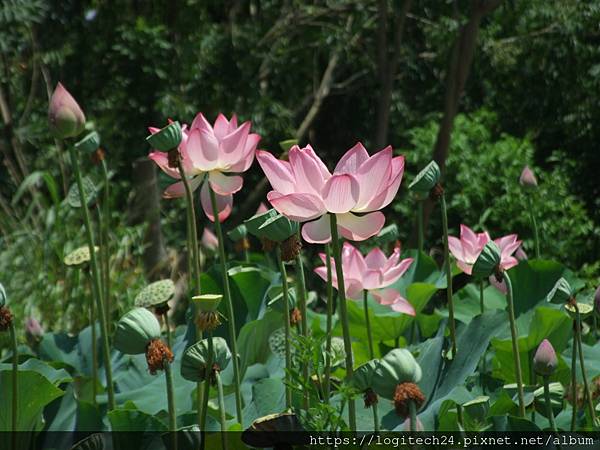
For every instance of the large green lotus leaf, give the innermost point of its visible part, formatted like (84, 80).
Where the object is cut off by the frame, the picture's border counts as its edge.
(592, 360)
(34, 393)
(54, 376)
(253, 340)
(386, 325)
(61, 347)
(131, 419)
(252, 284)
(546, 323)
(268, 397)
(511, 423)
(532, 280)
(467, 305)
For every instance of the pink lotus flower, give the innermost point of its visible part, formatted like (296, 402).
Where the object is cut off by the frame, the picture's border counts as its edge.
(214, 152)
(209, 240)
(33, 328)
(373, 273)
(466, 250)
(528, 179)
(306, 191)
(64, 114)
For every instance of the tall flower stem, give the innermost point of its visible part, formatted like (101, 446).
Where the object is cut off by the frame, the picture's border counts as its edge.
(229, 305)
(368, 323)
(96, 286)
(222, 417)
(192, 227)
(94, 342)
(329, 325)
(375, 417)
(15, 384)
(515, 343)
(412, 414)
(481, 303)
(165, 317)
(343, 308)
(420, 236)
(534, 225)
(448, 267)
(105, 248)
(574, 382)
(549, 411)
(209, 364)
(286, 325)
(586, 387)
(171, 403)
(301, 296)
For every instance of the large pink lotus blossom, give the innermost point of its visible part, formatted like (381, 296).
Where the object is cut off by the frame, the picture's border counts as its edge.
(466, 250)
(306, 191)
(216, 152)
(373, 273)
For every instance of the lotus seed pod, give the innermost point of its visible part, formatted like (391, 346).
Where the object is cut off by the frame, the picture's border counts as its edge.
(338, 351)
(426, 179)
(527, 179)
(89, 191)
(155, 294)
(3, 296)
(207, 302)
(80, 256)
(65, 117)
(238, 233)
(195, 359)
(544, 360)
(253, 223)
(557, 398)
(478, 408)
(398, 366)
(585, 310)
(488, 261)
(560, 293)
(277, 343)
(166, 138)
(135, 330)
(362, 378)
(89, 143)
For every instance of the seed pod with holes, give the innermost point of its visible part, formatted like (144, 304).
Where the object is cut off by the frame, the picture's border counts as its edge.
(155, 294)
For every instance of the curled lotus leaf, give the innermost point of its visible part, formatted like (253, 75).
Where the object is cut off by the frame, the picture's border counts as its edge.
(135, 330)
(398, 366)
(362, 378)
(254, 223)
(89, 143)
(426, 179)
(166, 138)
(561, 292)
(488, 260)
(478, 408)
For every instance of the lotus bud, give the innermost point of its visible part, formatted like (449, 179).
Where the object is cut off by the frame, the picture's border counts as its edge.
(207, 316)
(560, 293)
(520, 254)
(362, 379)
(397, 367)
(80, 256)
(33, 329)
(426, 179)
(209, 240)
(167, 138)
(545, 361)
(156, 295)
(196, 358)
(478, 408)
(487, 262)
(65, 117)
(89, 143)
(527, 179)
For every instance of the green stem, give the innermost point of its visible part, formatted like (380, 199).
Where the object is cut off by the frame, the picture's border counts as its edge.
(15, 383)
(481, 303)
(105, 249)
(412, 409)
(167, 329)
(448, 267)
(549, 410)
(96, 277)
(222, 417)
(301, 296)
(199, 386)
(574, 383)
(515, 343)
(286, 325)
(368, 323)
(586, 387)
(94, 345)
(171, 403)
(229, 305)
(534, 226)
(460, 416)
(375, 417)
(329, 324)
(191, 220)
(337, 256)
(420, 225)
(209, 365)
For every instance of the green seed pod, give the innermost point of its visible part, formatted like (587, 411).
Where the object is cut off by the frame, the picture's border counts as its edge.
(253, 223)
(362, 379)
(155, 294)
(89, 190)
(426, 179)
(278, 228)
(560, 293)
(398, 366)
(478, 408)
(207, 302)
(89, 143)
(238, 233)
(488, 260)
(3, 297)
(166, 138)
(195, 359)
(288, 144)
(585, 310)
(79, 256)
(557, 395)
(135, 330)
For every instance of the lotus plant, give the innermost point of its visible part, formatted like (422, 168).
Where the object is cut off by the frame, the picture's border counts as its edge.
(529, 183)
(305, 190)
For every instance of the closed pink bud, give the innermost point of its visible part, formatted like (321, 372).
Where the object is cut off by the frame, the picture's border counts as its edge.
(527, 178)
(33, 328)
(545, 361)
(65, 117)
(209, 240)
